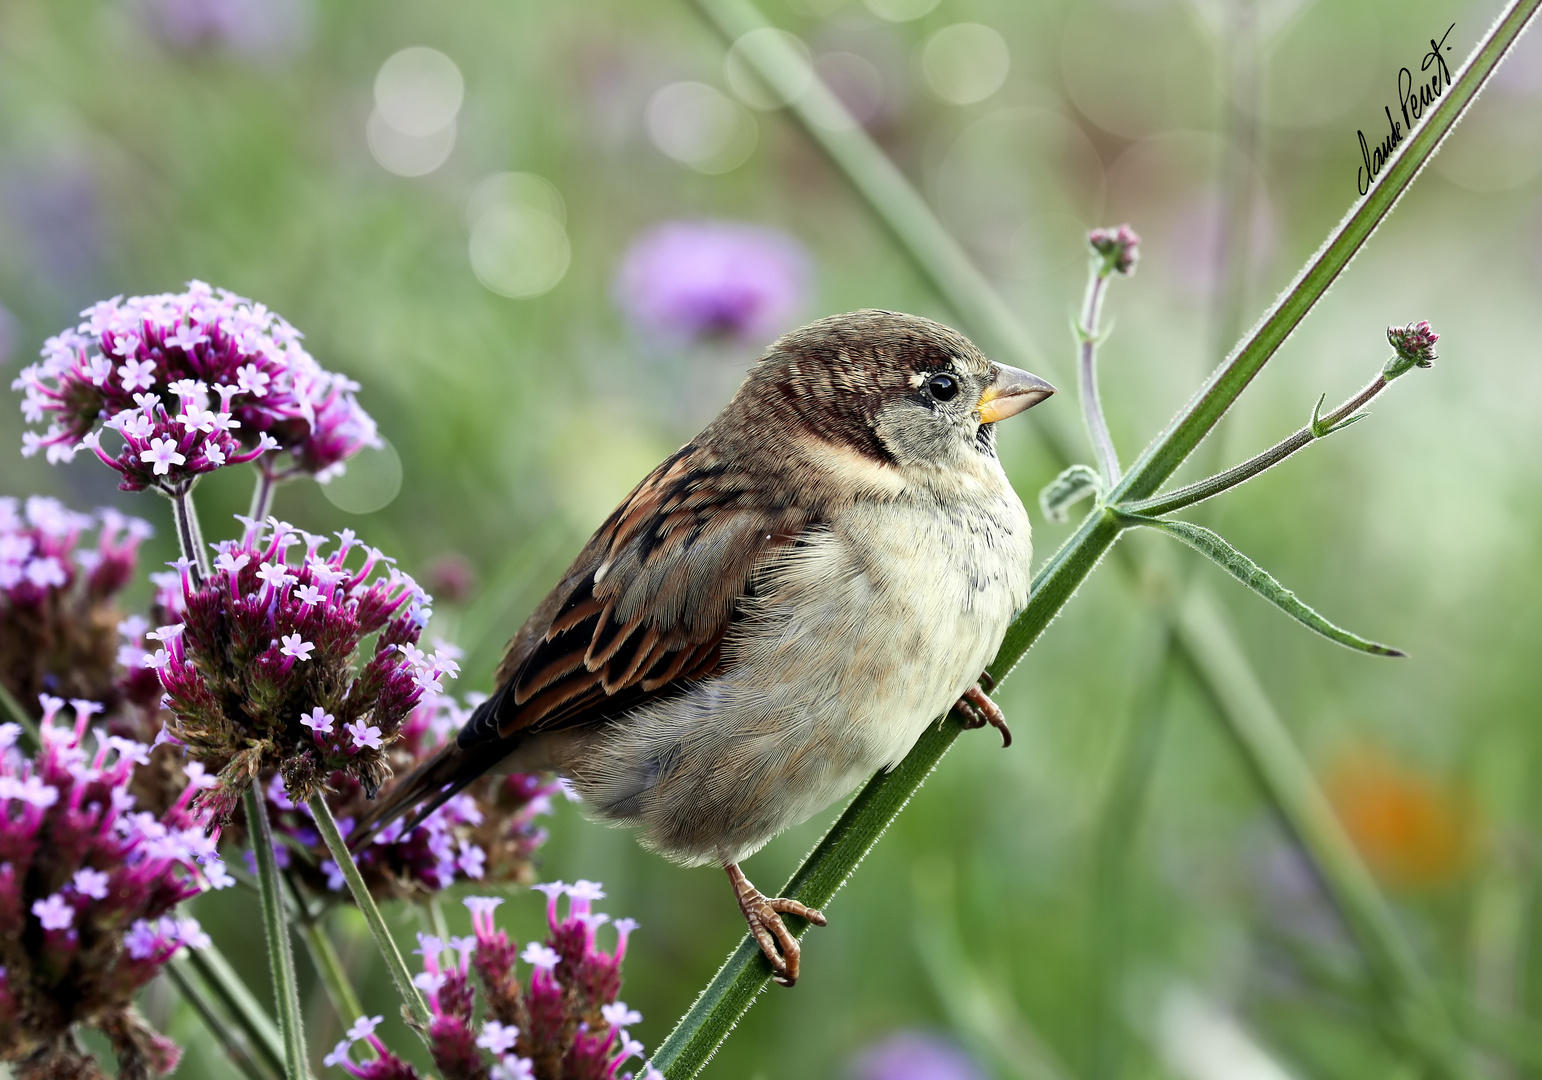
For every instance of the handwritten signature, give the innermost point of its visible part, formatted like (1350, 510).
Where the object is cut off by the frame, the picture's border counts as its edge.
(1413, 100)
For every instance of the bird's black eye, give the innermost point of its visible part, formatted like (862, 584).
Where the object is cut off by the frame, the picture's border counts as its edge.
(943, 387)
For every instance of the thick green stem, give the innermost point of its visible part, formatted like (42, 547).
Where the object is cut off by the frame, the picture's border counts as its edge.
(327, 825)
(243, 1007)
(1422, 1018)
(262, 495)
(190, 535)
(235, 1041)
(286, 989)
(901, 209)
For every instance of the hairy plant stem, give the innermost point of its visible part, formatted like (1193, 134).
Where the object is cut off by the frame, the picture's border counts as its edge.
(286, 989)
(1224, 481)
(243, 1007)
(262, 495)
(334, 977)
(1098, 274)
(235, 1042)
(327, 825)
(733, 989)
(189, 535)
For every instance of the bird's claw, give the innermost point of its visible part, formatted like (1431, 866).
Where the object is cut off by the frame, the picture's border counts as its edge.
(764, 916)
(977, 709)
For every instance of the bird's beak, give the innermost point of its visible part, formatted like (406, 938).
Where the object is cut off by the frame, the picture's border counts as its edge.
(1010, 393)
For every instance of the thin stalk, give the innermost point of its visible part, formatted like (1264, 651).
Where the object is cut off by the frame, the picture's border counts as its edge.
(1224, 481)
(239, 1002)
(262, 495)
(1119, 820)
(12, 711)
(1423, 1021)
(189, 535)
(327, 825)
(286, 990)
(334, 977)
(235, 1042)
(733, 989)
(1098, 273)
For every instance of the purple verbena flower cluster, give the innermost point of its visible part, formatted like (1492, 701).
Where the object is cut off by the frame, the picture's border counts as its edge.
(485, 833)
(87, 888)
(263, 671)
(58, 620)
(1119, 247)
(709, 279)
(564, 1023)
(190, 382)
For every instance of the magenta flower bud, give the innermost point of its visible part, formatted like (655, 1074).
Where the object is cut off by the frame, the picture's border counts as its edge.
(1119, 247)
(88, 884)
(263, 671)
(1415, 347)
(189, 383)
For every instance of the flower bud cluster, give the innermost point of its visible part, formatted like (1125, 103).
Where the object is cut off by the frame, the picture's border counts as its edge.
(58, 620)
(87, 889)
(1120, 248)
(485, 833)
(189, 382)
(1415, 347)
(264, 670)
(564, 1023)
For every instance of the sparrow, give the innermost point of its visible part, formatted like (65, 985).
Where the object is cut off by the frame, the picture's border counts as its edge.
(777, 611)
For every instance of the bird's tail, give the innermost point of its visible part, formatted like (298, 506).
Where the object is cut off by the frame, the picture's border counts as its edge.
(432, 784)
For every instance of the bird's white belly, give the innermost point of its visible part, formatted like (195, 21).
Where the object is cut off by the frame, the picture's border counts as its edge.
(863, 636)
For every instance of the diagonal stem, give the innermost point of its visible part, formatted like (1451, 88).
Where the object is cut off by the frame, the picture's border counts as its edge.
(1212, 486)
(237, 1046)
(733, 989)
(327, 825)
(243, 1007)
(286, 989)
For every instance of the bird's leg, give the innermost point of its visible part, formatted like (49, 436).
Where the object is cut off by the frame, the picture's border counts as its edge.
(978, 710)
(764, 914)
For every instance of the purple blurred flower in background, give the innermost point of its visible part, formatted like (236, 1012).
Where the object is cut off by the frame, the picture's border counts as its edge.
(707, 279)
(915, 1055)
(259, 29)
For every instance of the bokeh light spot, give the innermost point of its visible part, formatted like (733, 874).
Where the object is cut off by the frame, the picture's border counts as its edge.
(371, 482)
(418, 91)
(900, 10)
(519, 251)
(965, 63)
(407, 155)
(700, 126)
(516, 189)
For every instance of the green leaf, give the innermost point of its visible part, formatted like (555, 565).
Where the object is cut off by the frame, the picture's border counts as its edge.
(1070, 487)
(1255, 577)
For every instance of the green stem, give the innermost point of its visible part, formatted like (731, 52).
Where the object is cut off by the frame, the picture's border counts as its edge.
(190, 535)
(12, 711)
(262, 495)
(345, 1002)
(732, 990)
(327, 825)
(235, 1042)
(1208, 488)
(1098, 273)
(286, 990)
(1422, 1017)
(219, 976)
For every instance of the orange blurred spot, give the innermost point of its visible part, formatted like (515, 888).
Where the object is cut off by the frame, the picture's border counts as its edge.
(1412, 830)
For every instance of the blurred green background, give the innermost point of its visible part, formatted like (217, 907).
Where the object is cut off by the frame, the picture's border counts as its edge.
(146, 142)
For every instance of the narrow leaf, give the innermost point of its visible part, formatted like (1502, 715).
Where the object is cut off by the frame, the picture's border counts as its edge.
(1255, 577)
(1071, 486)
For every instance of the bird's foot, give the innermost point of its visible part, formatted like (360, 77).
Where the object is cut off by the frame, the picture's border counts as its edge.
(977, 709)
(764, 915)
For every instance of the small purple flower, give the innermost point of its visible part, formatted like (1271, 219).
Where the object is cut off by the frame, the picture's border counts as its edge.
(705, 279)
(246, 390)
(363, 735)
(1119, 248)
(540, 956)
(914, 1055)
(54, 912)
(1415, 347)
(300, 649)
(318, 720)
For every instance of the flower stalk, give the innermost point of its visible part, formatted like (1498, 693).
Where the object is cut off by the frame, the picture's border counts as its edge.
(733, 989)
(245, 1011)
(1113, 251)
(286, 990)
(327, 826)
(235, 1041)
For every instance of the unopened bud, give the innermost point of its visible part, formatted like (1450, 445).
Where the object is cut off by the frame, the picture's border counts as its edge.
(1119, 247)
(1415, 345)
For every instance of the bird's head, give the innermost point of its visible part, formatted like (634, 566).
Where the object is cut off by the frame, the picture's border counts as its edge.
(896, 388)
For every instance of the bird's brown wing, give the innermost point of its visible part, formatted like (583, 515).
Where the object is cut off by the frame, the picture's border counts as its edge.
(645, 607)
